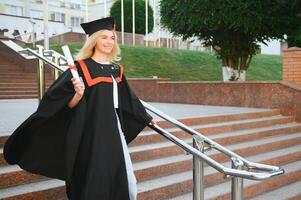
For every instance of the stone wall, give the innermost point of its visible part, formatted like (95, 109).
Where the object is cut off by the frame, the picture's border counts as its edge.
(281, 95)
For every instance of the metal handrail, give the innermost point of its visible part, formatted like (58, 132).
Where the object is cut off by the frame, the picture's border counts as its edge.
(219, 167)
(239, 164)
(200, 137)
(54, 53)
(44, 59)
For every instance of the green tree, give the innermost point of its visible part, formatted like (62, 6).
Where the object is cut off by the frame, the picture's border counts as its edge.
(294, 38)
(232, 27)
(139, 16)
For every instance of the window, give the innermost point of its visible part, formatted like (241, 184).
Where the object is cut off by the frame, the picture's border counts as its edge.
(14, 10)
(76, 21)
(75, 6)
(55, 16)
(36, 14)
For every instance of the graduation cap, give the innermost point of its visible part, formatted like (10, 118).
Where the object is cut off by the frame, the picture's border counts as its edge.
(97, 25)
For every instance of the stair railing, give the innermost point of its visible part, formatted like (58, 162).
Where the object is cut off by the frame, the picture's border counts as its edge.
(240, 166)
(239, 170)
(49, 57)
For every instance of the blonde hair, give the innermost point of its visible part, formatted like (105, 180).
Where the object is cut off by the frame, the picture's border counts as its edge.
(88, 49)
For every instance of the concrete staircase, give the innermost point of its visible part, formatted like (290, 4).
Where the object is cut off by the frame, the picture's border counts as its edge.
(164, 171)
(18, 75)
(20, 85)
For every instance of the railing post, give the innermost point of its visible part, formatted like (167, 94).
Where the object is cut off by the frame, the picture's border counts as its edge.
(41, 74)
(198, 171)
(237, 188)
(56, 72)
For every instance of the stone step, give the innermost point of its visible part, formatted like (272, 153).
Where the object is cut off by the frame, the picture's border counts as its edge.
(254, 188)
(227, 126)
(224, 118)
(167, 148)
(20, 73)
(258, 147)
(208, 180)
(25, 80)
(147, 137)
(17, 84)
(161, 167)
(15, 76)
(164, 149)
(8, 174)
(287, 180)
(13, 175)
(23, 76)
(244, 124)
(225, 139)
(3, 138)
(10, 68)
(2, 159)
(13, 96)
(220, 127)
(195, 121)
(7, 64)
(175, 186)
(16, 69)
(31, 80)
(282, 193)
(150, 136)
(23, 73)
(50, 189)
(297, 197)
(276, 140)
(20, 85)
(19, 92)
(20, 88)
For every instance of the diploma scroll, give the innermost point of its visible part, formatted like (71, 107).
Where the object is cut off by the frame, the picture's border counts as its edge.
(70, 61)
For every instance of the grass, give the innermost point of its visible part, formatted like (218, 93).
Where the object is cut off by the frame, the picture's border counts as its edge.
(265, 67)
(185, 65)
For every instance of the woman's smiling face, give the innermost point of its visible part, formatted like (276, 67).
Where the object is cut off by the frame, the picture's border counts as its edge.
(105, 42)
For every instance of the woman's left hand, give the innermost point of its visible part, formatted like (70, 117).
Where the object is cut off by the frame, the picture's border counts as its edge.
(152, 122)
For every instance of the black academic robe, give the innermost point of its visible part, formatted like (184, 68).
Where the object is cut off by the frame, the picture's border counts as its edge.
(81, 145)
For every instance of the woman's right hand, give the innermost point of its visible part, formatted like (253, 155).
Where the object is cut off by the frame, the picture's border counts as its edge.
(79, 87)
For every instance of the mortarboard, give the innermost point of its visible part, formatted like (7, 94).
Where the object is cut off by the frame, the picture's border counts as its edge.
(97, 25)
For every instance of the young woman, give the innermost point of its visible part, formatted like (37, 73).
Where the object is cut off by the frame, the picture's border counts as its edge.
(81, 128)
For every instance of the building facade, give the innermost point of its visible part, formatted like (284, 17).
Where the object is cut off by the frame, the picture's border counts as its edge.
(63, 16)
(67, 15)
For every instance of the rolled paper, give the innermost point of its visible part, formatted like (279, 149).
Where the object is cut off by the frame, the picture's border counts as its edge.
(70, 62)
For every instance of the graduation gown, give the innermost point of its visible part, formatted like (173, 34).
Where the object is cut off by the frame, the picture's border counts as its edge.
(82, 145)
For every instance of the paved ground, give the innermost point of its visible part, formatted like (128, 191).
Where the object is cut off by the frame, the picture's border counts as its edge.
(14, 112)
(192, 110)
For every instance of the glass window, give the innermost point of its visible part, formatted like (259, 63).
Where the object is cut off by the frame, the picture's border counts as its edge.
(14, 10)
(36, 14)
(55, 16)
(76, 21)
